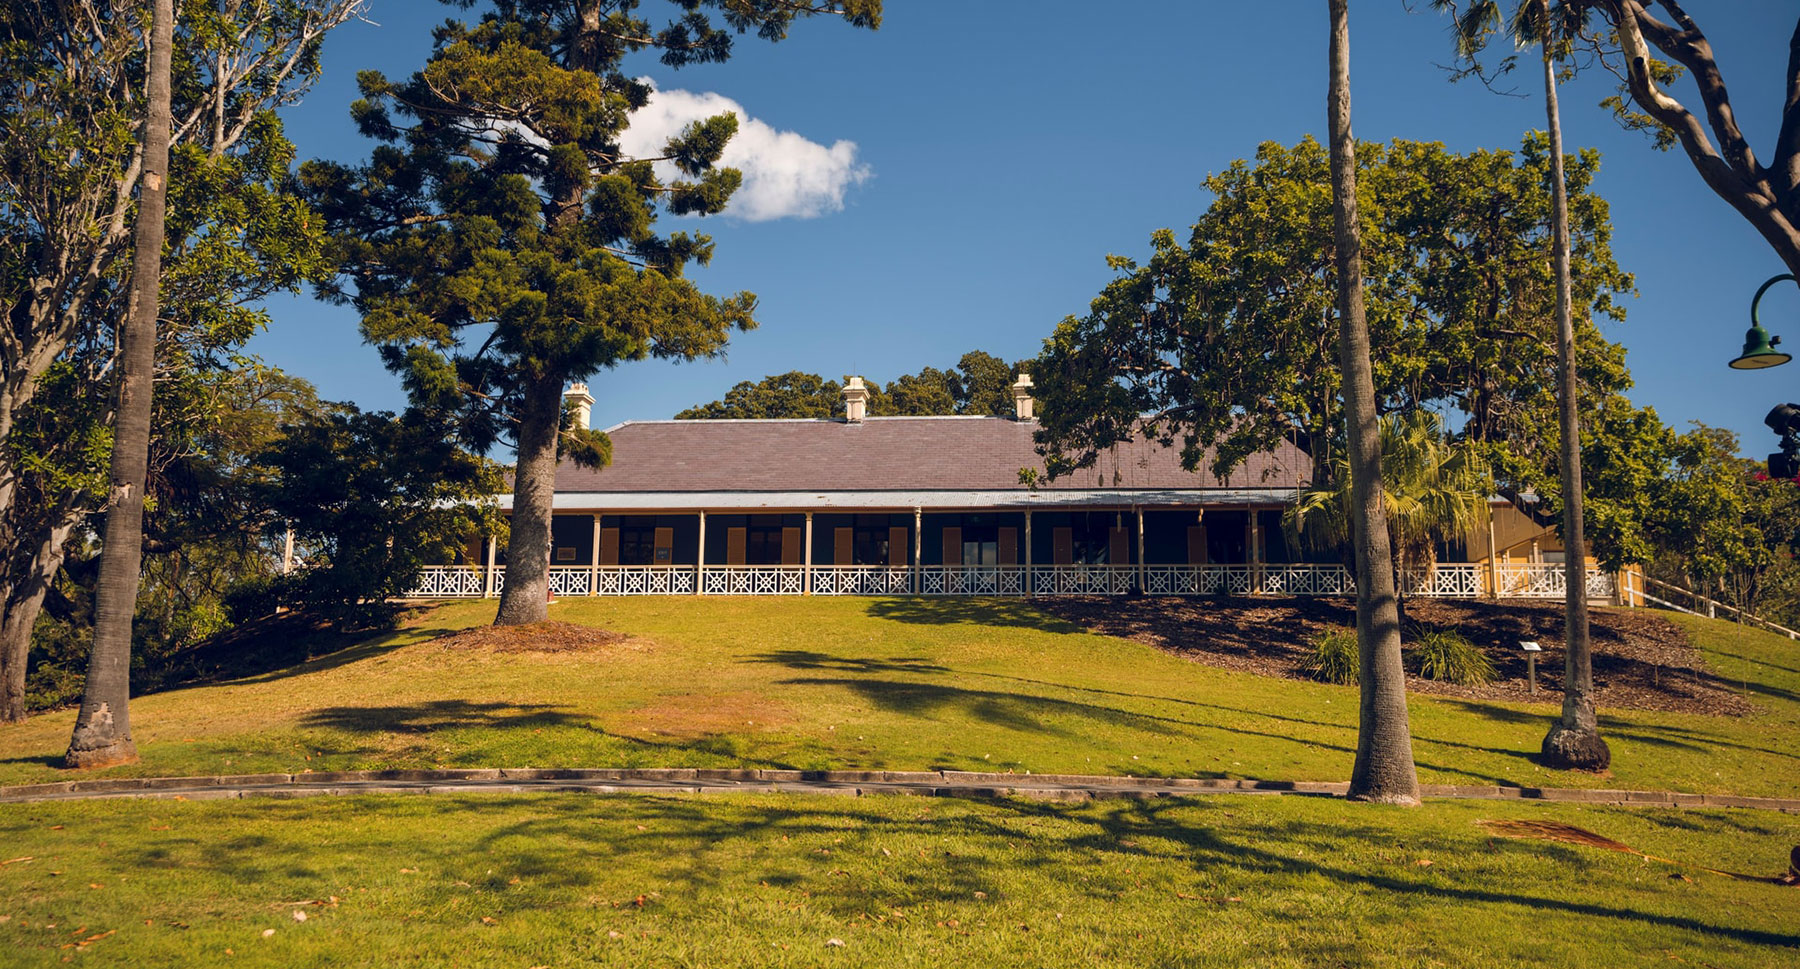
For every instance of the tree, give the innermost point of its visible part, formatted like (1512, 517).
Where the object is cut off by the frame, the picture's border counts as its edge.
(71, 159)
(790, 395)
(980, 385)
(372, 498)
(1224, 345)
(1767, 196)
(499, 243)
(102, 735)
(1574, 741)
(1384, 763)
(1433, 491)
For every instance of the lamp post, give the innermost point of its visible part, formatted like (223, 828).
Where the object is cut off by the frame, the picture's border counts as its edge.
(1759, 346)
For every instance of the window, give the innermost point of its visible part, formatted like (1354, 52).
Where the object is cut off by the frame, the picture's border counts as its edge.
(565, 553)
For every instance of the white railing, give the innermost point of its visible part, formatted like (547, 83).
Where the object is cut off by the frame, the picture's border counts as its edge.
(1306, 580)
(569, 580)
(645, 580)
(1546, 581)
(450, 581)
(1082, 580)
(1449, 580)
(973, 580)
(861, 580)
(753, 580)
(1445, 581)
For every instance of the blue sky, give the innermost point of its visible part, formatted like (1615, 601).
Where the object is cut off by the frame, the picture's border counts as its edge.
(1005, 147)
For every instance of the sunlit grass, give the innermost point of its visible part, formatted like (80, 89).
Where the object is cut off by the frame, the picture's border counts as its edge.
(771, 880)
(890, 683)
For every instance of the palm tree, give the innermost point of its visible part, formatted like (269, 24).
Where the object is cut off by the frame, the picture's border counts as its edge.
(102, 733)
(1574, 741)
(1433, 491)
(1384, 769)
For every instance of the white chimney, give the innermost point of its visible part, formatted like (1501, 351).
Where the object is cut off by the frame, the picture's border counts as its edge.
(856, 400)
(578, 395)
(1022, 402)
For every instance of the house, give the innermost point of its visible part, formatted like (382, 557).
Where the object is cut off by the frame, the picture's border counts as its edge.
(933, 506)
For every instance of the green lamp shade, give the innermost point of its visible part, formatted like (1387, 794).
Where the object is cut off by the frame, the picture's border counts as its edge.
(1759, 351)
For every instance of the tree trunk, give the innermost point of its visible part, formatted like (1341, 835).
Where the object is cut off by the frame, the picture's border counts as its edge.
(526, 595)
(23, 604)
(1574, 740)
(1384, 762)
(102, 735)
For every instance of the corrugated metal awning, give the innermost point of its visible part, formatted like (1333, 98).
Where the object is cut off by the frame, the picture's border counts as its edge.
(1019, 500)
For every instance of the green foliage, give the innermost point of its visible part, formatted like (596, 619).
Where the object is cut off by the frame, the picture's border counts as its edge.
(1433, 490)
(1225, 346)
(498, 243)
(789, 395)
(1447, 656)
(371, 498)
(980, 385)
(1334, 656)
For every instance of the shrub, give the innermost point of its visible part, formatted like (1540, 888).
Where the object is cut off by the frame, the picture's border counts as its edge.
(1447, 656)
(1334, 657)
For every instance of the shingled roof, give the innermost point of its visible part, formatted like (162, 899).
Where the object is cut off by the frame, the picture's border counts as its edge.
(885, 454)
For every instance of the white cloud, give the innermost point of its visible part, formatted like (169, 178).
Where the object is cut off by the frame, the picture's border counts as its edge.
(785, 174)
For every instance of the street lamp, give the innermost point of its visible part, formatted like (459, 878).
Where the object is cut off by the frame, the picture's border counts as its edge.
(1759, 346)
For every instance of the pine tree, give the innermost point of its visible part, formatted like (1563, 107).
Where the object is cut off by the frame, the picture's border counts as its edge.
(499, 243)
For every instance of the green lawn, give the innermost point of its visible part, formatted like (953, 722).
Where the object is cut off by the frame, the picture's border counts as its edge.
(888, 683)
(770, 880)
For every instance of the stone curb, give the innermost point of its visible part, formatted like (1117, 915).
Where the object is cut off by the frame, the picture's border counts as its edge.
(519, 780)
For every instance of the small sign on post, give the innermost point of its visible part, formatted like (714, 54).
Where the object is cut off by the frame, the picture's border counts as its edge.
(1531, 649)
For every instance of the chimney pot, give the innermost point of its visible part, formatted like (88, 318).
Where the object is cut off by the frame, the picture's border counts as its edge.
(856, 400)
(578, 395)
(1022, 402)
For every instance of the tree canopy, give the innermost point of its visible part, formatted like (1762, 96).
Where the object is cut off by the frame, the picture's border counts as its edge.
(979, 385)
(499, 242)
(1227, 341)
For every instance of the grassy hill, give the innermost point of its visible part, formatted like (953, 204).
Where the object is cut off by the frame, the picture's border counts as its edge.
(503, 880)
(889, 683)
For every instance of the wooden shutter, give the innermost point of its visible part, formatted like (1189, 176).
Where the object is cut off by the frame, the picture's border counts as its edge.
(790, 546)
(1118, 546)
(1009, 546)
(609, 546)
(899, 536)
(1064, 553)
(843, 546)
(1196, 544)
(952, 546)
(735, 540)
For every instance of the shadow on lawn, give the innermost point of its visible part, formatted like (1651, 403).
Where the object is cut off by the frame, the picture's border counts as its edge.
(1206, 837)
(441, 715)
(802, 659)
(974, 611)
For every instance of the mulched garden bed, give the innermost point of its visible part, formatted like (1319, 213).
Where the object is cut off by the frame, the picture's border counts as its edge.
(1641, 660)
(537, 637)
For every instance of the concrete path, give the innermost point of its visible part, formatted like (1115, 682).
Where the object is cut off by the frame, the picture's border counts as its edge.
(1068, 787)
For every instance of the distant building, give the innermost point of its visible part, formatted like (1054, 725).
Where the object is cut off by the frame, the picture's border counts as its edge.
(936, 506)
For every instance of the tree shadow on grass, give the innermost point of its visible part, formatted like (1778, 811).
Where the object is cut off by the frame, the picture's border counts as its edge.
(1345, 847)
(441, 715)
(969, 611)
(803, 659)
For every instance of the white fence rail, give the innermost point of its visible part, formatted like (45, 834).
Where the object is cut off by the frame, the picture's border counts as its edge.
(1083, 580)
(753, 580)
(973, 580)
(450, 582)
(861, 580)
(644, 580)
(1448, 580)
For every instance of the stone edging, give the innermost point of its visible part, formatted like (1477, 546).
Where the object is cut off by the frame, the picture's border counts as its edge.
(848, 782)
